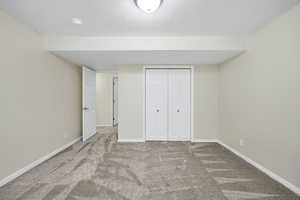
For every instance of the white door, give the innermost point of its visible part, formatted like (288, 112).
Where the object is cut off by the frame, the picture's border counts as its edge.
(115, 101)
(156, 104)
(179, 104)
(88, 103)
(168, 104)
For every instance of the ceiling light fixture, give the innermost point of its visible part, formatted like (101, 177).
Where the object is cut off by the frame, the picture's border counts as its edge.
(76, 21)
(148, 6)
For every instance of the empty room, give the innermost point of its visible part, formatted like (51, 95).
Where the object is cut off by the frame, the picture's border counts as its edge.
(150, 100)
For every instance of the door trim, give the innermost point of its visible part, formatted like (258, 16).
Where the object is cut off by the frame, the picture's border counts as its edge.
(115, 121)
(189, 67)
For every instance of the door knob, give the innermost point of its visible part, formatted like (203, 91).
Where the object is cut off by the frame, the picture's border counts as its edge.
(157, 110)
(85, 108)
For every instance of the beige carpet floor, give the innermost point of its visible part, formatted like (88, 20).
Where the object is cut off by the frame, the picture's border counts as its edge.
(106, 170)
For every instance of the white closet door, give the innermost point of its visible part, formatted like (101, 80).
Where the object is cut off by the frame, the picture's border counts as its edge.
(179, 104)
(156, 104)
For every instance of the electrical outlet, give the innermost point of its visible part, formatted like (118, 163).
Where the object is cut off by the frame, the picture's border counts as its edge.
(242, 142)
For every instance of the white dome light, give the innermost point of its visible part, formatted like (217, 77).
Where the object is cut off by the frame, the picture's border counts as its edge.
(148, 6)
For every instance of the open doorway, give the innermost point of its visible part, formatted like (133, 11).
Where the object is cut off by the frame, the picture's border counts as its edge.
(106, 102)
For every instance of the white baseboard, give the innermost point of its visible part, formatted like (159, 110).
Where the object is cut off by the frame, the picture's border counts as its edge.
(103, 125)
(205, 140)
(268, 172)
(142, 140)
(130, 140)
(35, 163)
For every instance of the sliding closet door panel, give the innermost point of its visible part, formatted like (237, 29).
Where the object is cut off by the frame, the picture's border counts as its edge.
(156, 104)
(179, 104)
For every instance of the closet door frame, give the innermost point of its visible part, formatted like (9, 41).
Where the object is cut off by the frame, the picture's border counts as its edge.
(189, 67)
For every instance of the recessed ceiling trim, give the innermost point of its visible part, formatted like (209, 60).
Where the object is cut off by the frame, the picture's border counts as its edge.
(143, 43)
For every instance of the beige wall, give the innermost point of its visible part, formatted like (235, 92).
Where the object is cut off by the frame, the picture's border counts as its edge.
(260, 100)
(206, 102)
(130, 94)
(40, 98)
(104, 101)
(206, 96)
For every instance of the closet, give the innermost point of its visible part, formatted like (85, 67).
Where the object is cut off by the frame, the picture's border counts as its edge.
(168, 104)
